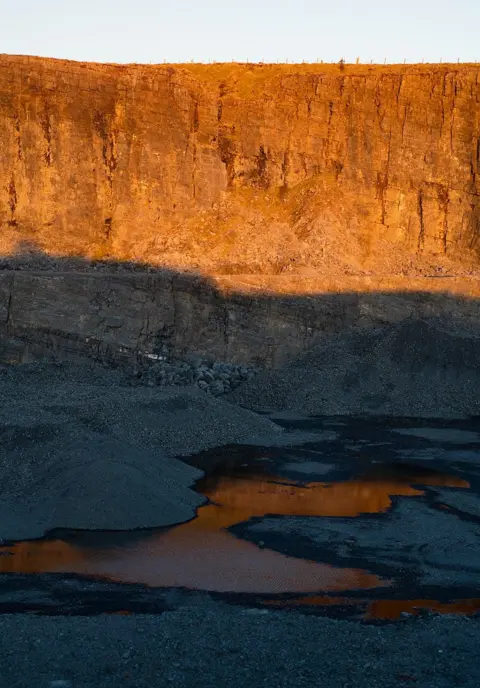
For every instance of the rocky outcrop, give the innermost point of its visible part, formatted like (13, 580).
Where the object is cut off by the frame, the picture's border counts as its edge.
(243, 168)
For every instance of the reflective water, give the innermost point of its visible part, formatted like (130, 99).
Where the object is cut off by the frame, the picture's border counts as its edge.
(381, 609)
(204, 555)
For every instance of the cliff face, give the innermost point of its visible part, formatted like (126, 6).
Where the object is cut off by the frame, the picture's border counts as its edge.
(242, 168)
(110, 317)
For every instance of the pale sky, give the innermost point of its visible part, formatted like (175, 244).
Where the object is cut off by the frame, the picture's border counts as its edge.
(255, 30)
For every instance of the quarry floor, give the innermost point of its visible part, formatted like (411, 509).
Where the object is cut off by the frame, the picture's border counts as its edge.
(331, 551)
(212, 645)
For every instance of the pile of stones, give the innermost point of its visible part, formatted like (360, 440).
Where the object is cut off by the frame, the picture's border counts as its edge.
(214, 378)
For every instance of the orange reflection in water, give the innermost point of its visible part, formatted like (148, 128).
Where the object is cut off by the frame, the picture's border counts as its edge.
(202, 554)
(382, 609)
(392, 609)
(258, 496)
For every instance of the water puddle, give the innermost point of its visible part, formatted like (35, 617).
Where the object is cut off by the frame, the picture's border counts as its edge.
(380, 609)
(204, 555)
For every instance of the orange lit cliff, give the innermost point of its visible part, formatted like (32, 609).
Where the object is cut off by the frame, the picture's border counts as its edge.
(308, 169)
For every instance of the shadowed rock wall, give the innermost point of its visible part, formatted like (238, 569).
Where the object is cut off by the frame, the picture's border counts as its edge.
(110, 317)
(243, 168)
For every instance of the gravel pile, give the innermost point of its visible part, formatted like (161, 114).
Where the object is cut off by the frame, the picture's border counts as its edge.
(73, 477)
(412, 368)
(80, 449)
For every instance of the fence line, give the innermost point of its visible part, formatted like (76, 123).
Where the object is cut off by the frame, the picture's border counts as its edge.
(317, 60)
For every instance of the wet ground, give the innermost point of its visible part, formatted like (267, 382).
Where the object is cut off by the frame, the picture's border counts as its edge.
(378, 520)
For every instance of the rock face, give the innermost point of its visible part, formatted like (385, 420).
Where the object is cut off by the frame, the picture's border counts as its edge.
(114, 317)
(243, 168)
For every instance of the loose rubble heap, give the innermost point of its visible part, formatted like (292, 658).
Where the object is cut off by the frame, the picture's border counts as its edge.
(214, 378)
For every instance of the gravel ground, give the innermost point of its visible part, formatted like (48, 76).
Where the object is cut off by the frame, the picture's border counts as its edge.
(212, 644)
(466, 503)
(435, 547)
(216, 645)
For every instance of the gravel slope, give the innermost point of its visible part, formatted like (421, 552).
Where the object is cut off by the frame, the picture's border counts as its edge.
(414, 368)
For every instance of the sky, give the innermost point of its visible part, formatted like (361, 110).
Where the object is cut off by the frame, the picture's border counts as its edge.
(155, 31)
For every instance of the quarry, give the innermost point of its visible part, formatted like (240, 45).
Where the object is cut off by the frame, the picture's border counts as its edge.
(240, 357)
